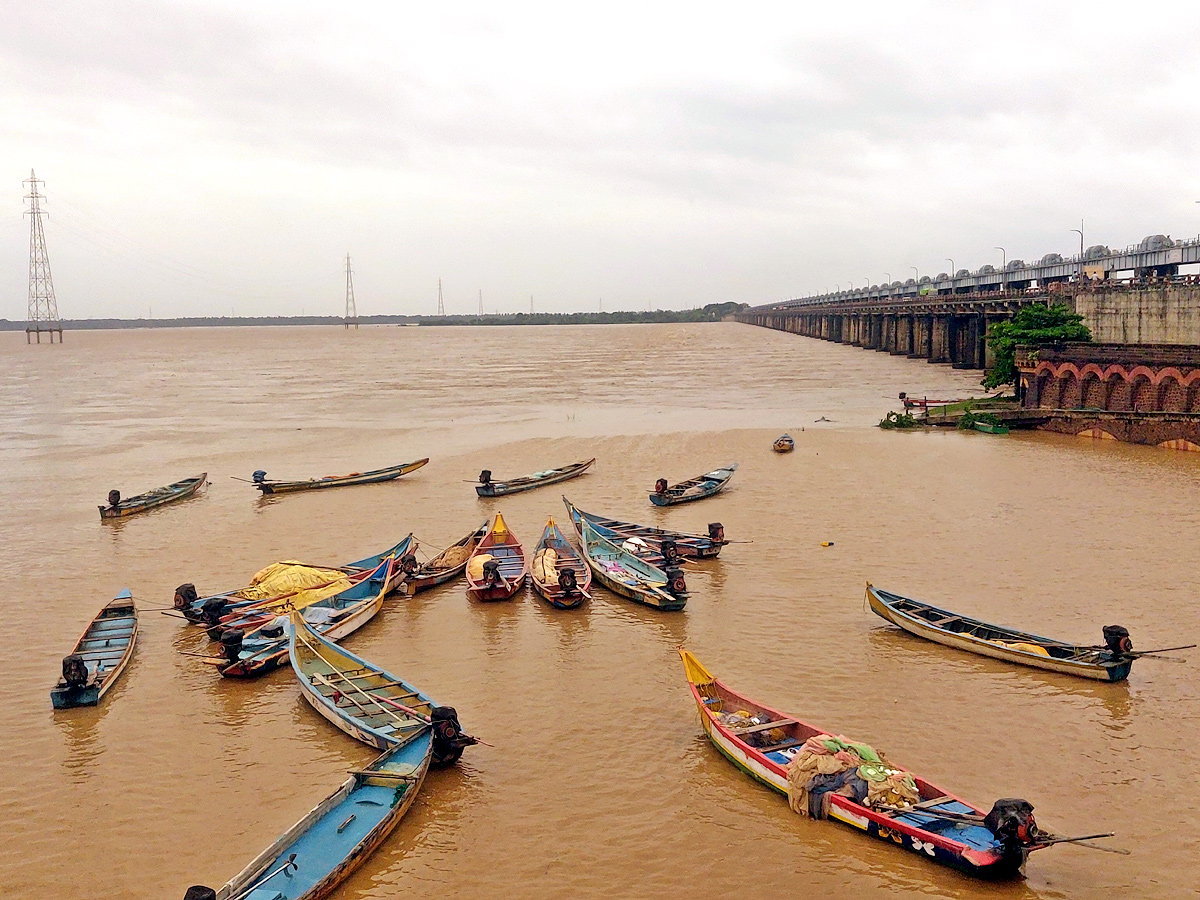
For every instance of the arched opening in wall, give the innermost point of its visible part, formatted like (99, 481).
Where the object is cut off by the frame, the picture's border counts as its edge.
(1119, 388)
(1093, 392)
(1194, 396)
(1047, 393)
(1072, 395)
(1172, 396)
(1142, 395)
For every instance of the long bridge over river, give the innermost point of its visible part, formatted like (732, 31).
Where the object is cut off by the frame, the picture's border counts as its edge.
(1134, 295)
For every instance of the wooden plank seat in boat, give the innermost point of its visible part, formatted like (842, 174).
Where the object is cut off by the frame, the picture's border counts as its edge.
(942, 621)
(765, 726)
(934, 801)
(785, 745)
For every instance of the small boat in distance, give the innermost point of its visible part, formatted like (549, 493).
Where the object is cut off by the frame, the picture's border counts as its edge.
(118, 508)
(498, 567)
(489, 488)
(784, 444)
(762, 742)
(991, 427)
(693, 489)
(559, 574)
(100, 655)
(448, 564)
(658, 540)
(628, 575)
(267, 486)
(1110, 662)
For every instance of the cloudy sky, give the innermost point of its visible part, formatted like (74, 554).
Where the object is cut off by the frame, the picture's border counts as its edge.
(209, 157)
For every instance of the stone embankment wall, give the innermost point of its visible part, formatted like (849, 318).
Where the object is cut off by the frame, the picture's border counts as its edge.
(1145, 394)
(1143, 314)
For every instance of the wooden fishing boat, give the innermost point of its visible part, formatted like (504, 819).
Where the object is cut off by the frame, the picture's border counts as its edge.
(375, 476)
(695, 546)
(118, 508)
(489, 488)
(630, 576)
(209, 610)
(558, 573)
(320, 851)
(367, 702)
(784, 444)
(100, 655)
(940, 826)
(990, 428)
(693, 489)
(498, 567)
(254, 653)
(254, 615)
(1111, 662)
(448, 564)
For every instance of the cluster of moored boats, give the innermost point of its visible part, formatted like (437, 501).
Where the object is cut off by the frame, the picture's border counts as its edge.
(292, 613)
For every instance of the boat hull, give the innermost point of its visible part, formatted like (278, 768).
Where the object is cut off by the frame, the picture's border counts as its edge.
(646, 583)
(316, 484)
(554, 476)
(699, 488)
(106, 646)
(567, 558)
(694, 546)
(916, 626)
(180, 490)
(929, 845)
(504, 547)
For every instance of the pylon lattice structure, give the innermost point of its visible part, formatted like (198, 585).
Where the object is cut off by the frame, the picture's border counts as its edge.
(441, 302)
(481, 301)
(43, 308)
(351, 309)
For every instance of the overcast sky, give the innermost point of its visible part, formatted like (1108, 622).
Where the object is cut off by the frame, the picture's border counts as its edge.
(203, 157)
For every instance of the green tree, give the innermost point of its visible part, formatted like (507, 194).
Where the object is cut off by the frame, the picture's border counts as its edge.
(1034, 325)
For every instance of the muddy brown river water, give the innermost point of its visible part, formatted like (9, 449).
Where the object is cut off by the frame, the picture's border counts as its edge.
(600, 782)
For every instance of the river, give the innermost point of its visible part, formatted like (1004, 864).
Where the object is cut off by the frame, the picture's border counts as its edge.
(600, 782)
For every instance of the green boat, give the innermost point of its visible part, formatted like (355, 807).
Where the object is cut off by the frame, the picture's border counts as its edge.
(989, 428)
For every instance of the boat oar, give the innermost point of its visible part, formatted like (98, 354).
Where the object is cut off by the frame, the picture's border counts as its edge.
(290, 864)
(173, 612)
(1134, 654)
(1054, 839)
(215, 660)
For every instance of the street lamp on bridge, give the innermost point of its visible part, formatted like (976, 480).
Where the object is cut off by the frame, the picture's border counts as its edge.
(1003, 271)
(1079, 231)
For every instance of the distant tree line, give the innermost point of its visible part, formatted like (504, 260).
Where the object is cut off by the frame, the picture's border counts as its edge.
(713, 312)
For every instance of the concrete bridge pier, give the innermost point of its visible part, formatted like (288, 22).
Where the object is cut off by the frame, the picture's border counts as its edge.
(922, 334)
(904, 336)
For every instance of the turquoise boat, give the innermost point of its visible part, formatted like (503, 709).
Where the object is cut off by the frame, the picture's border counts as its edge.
(693, 489)
(631, 576)
(320, 851)
(100, 655)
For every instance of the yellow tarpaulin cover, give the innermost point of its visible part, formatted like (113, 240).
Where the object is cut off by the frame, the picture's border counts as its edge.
(288, 576)
(475, 566)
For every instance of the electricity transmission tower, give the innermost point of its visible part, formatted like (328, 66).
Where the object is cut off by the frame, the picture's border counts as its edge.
(531, 304)
(43, 308)
(441, 303)
(481, 301)
(351, 309)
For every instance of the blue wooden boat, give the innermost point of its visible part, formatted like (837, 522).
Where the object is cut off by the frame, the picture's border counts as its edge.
(630, 576)
(448, 564)
(489, 488)
(656, 540)
(209, 610)
(367, 702)
(1111, 662)
(267, 486)
(179, 490)
(320, 851)
(100, 655)
(253, 653)
(941, 827)
(693, 489)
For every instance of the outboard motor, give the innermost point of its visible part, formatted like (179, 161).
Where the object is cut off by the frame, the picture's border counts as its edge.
(716, 532)
(211, 611)
(114, 498)
(485, 477)
(200, 892)
(670, 552)
(1116, 638)
(675, 583)
(1011, 821)
(567, 582)
(491, 573)
(75, 671)
(259, 476)
(185, 596)
(408, 563)
(273, 629)
(660, 486)
(449, 740)
(231, 643)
